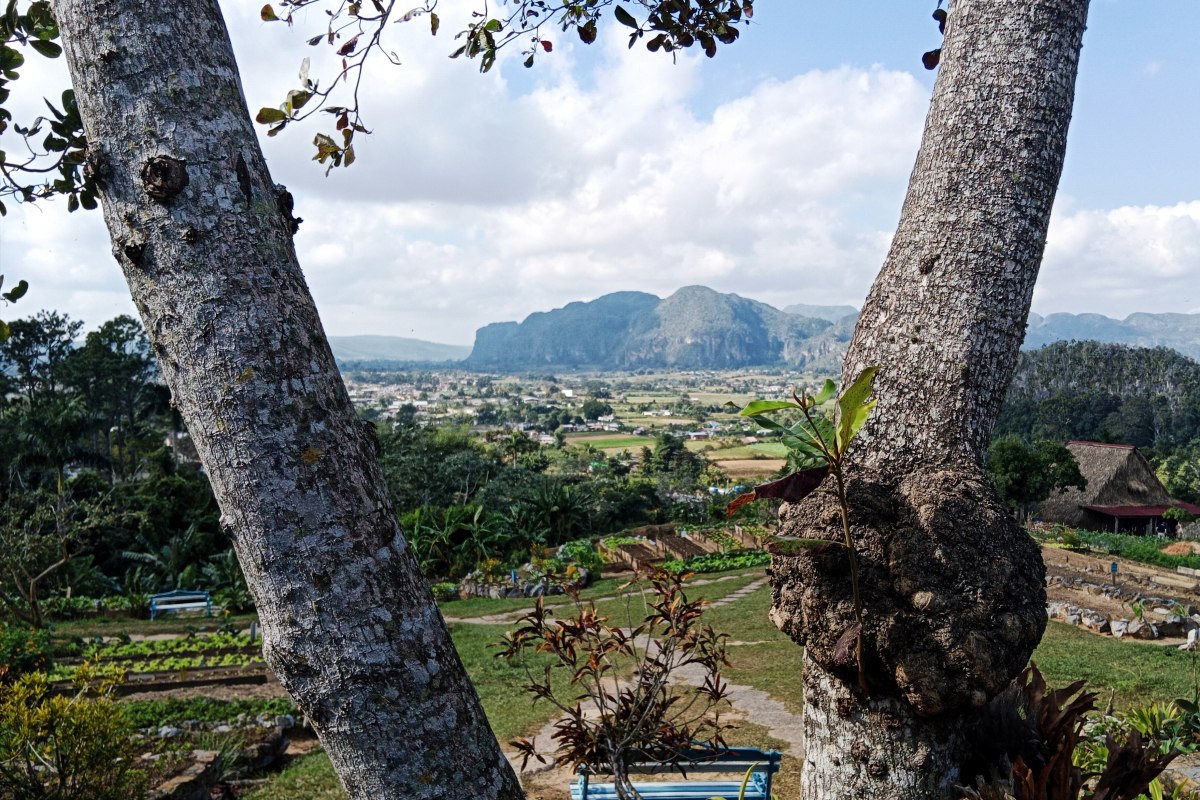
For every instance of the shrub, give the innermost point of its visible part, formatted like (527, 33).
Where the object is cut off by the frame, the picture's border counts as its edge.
(66, 748)
(173, 710)
(445, 591)
(24, 650)
(642, 718)
(583, 554)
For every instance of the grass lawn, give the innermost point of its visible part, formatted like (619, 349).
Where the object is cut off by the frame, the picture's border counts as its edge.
(477, 607)
(172, 623)
(1136, 671)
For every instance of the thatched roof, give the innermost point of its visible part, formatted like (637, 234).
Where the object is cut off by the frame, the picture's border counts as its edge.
(1117, 475)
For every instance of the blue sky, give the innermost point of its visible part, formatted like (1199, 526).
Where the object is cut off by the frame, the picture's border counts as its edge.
(775, 170)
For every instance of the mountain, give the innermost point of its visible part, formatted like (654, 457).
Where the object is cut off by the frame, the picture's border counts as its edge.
(695, 328)
(1070, 369)
(1104, 393)
(831, 313)
(394, 348)
(1178, 331)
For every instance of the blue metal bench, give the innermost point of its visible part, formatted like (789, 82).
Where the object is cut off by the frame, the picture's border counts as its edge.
(737, 760)
(180, 600)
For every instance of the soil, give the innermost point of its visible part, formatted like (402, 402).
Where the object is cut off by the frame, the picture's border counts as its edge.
(262, 691)
(1131, 577)
(751, 467)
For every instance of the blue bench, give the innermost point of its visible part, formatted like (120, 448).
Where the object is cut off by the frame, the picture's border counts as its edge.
(180, 600)
(737, 760)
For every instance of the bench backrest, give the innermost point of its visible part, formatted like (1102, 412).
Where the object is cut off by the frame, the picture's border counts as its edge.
(731, 760)
(179, 601)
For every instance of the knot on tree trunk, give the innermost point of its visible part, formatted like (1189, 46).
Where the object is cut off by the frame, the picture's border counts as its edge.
(953, 589)
(164, 178)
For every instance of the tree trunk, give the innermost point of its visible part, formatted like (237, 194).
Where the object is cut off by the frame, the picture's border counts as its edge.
(954, 601)
(200, 230)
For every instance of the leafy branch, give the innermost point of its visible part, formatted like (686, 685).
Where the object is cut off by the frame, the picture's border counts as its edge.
(64, 148)
(357, 28)
(819, 448)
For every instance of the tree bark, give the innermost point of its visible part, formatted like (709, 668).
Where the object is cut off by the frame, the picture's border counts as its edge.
(349, 624)
(952, 586)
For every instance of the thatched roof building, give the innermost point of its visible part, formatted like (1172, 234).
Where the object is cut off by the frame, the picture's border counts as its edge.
(1123, 494)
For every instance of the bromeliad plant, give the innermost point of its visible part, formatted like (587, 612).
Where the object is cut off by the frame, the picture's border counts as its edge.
(817, 448)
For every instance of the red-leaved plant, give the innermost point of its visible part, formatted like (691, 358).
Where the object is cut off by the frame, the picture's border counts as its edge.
(612, 718)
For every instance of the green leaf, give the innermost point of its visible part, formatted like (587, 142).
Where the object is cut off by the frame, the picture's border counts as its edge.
(827, 391)
(762, 406)
(860, 417)
(17, 292)
(48, 49)
(624, 17)
(72, 205)
(267, 116)
(434, 23)
(297, 98)
(851, 400)
(4, 331)
(493, 25)
(268, 13)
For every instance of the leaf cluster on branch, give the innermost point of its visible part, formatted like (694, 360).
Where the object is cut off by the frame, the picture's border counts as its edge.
(356, 30)
(639, 719)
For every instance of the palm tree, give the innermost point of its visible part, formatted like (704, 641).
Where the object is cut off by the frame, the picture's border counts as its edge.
(173, 563)
(52, 433)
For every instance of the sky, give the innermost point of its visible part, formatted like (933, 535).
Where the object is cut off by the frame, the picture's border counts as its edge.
(775, 170)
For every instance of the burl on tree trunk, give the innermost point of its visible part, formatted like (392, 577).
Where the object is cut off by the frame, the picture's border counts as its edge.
(204, 237)
(953, 590)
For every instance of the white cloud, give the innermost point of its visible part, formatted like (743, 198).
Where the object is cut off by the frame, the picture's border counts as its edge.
(485, 206)
(1134, 258)
(485, 198)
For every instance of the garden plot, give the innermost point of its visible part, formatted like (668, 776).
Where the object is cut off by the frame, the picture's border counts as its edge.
(171, 663)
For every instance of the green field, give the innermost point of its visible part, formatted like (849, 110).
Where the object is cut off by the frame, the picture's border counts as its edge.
(630, 442)
(771, 450)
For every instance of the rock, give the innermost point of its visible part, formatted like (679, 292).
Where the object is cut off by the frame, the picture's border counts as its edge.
(1139, 629)
(223, 728)
(1071, 619)
(1091, 588)
(263, 754)
(285, 721)
(1094, 621)
(1119, 628)
(169, 732)
(1171, 626)
(195, 782)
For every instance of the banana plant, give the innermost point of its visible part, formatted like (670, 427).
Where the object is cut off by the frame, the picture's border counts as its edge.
(818, 447)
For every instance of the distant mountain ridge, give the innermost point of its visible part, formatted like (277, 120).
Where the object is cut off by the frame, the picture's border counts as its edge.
(831, 313)
(1179, 332)
(394, 348)
(695, 328)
